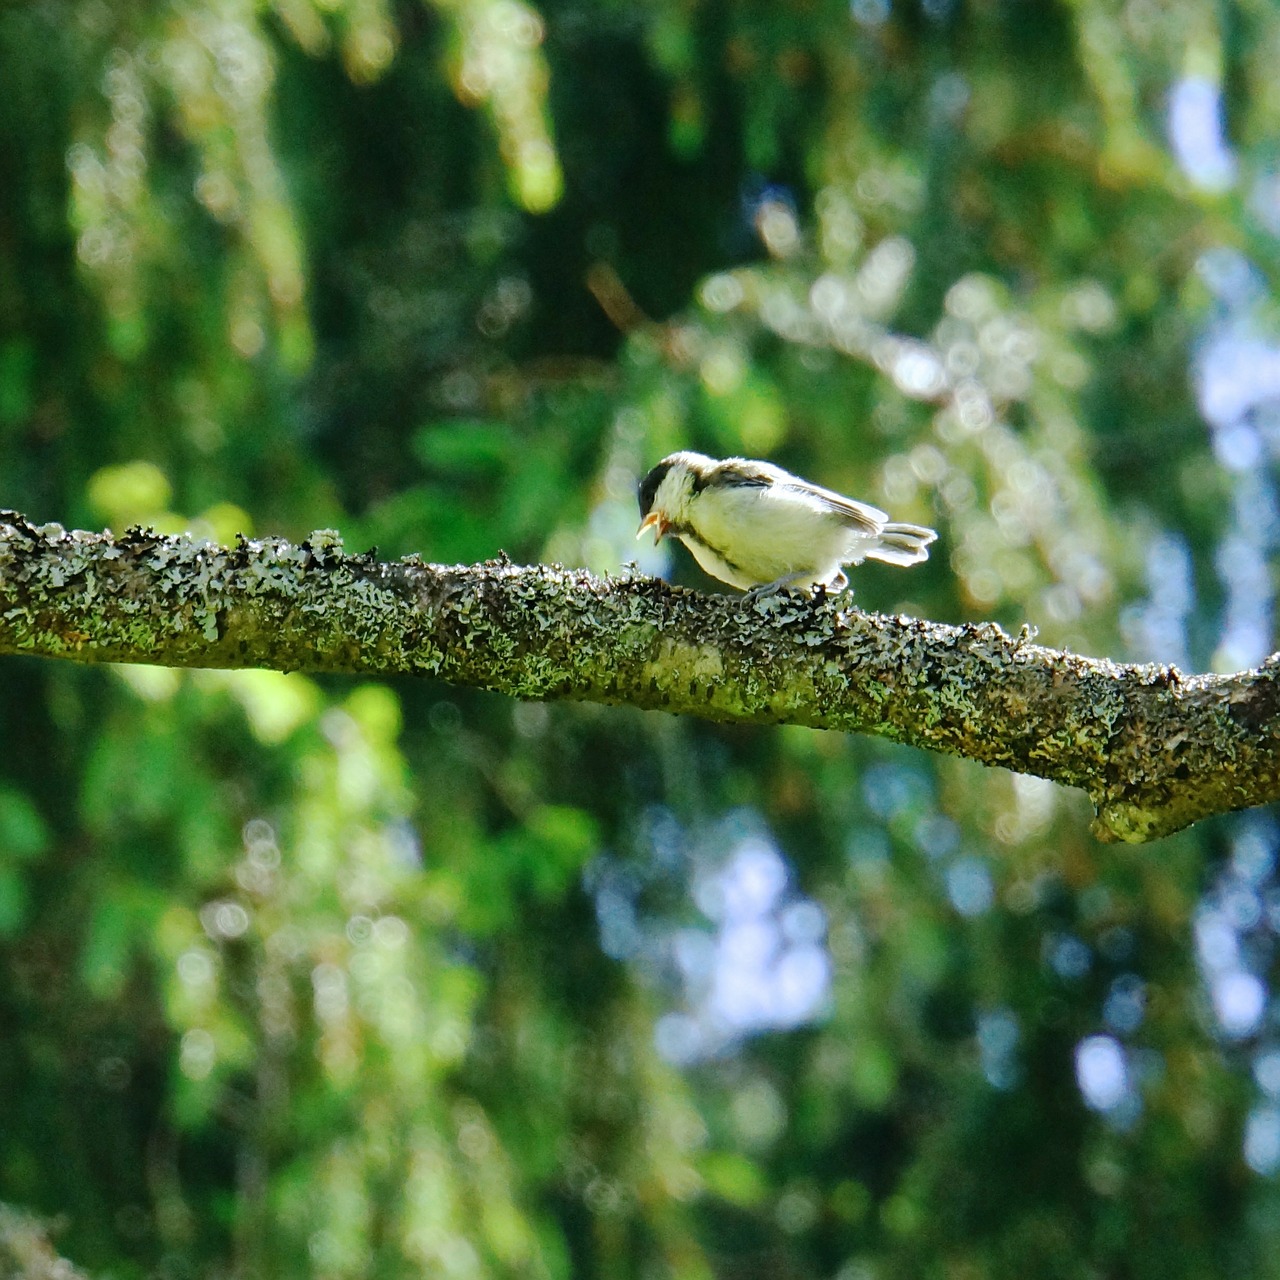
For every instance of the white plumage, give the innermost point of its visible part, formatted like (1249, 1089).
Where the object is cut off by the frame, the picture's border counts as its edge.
(756, 526)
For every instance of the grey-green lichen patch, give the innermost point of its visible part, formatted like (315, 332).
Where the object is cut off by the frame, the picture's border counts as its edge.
(1156, 749)
(1131, 824)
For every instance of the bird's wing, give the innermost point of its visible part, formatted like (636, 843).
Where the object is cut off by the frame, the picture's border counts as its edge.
(739, 472)
(764, 475)
(860, 515)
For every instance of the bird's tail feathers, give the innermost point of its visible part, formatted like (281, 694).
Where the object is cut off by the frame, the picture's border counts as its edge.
(901, 544)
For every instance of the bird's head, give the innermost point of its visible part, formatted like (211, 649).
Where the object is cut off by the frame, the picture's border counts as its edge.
(665, 492)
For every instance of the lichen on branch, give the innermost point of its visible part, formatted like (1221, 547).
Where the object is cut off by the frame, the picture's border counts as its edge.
(1155, 750)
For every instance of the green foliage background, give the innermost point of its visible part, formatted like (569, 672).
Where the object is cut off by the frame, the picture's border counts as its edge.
(304, 977)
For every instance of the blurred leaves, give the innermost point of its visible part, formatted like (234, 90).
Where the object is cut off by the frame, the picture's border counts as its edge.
(310, 979)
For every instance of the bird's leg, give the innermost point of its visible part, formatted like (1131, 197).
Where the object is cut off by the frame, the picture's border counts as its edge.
(785, 583)
(832, 589)
(820, 590)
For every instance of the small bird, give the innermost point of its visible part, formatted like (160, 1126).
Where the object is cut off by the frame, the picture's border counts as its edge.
(758, 527)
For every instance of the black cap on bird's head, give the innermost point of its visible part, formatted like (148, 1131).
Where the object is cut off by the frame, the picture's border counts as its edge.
(649, 485)
(649, 518)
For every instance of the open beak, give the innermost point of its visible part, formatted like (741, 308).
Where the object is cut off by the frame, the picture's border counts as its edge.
(653, 521)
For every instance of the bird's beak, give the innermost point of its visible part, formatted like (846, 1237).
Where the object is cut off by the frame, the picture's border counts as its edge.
(653, 521)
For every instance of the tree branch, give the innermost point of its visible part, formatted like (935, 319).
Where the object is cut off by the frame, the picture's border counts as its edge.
(1154, 749)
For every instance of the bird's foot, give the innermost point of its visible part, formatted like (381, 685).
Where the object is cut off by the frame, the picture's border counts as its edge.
(776, 587)
(797, 584)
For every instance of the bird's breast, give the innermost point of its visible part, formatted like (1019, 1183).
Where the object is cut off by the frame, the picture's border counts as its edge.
(765, 535)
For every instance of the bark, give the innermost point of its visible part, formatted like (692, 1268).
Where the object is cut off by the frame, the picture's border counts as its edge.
(1156, 750)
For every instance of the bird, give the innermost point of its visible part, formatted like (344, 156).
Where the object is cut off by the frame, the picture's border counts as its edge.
(761, 529)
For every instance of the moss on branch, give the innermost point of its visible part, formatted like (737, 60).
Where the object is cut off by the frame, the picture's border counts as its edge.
(1156, 750)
